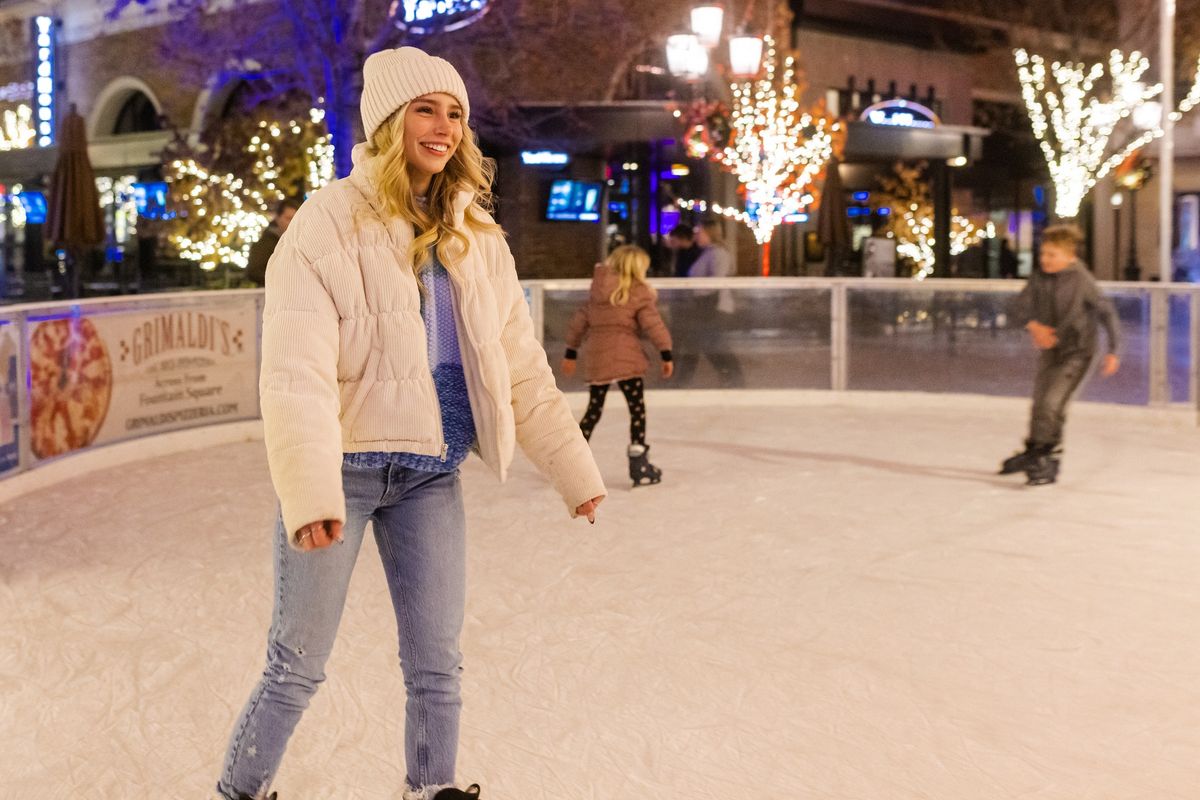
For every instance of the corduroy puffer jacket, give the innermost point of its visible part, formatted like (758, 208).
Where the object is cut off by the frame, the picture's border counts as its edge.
(345, 365)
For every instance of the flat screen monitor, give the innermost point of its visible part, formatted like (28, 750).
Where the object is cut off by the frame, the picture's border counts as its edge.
(34, 205)
(151, 199)
(575, 201)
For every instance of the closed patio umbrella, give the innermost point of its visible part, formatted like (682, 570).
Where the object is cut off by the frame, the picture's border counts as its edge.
(74, 220)
(833, 229)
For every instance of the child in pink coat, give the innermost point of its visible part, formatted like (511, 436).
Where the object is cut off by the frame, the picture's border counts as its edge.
(620, 307)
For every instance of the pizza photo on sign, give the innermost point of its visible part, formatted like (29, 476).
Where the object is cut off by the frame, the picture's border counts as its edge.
(71, 385)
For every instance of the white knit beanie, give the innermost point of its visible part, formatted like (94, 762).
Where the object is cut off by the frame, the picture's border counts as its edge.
(392, 78)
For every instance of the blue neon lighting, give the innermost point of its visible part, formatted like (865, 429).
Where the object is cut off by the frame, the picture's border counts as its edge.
(45, 73)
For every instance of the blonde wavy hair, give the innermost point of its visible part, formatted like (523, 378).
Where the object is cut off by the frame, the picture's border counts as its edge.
(630, 263)
(467, 170)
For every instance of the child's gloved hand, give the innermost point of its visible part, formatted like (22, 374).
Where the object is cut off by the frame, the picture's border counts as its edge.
(668, 369)
(1110, 366)
(568, 367)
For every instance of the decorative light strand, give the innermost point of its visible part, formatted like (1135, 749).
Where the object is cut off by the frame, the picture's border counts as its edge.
(241, 208)
(1074, 125)
(915, 240)
(776, 150)
(17, 130)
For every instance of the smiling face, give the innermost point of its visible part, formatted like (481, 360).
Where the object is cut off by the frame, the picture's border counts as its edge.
(433, 128)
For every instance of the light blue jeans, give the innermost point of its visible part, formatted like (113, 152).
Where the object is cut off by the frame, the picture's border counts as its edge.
(420, 529)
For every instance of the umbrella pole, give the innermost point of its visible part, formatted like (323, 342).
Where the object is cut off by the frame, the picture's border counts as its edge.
(73, 277)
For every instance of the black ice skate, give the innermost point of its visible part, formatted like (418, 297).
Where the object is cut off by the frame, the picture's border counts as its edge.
(641, 471)
(1044, 469)
(1020, 461)
(451, 793)
(271, 796)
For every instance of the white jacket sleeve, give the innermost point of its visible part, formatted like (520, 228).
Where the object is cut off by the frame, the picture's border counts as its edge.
(299, 391)
(546, 428)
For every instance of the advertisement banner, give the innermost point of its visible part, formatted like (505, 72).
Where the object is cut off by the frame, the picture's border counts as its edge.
(10, 420)
(104, 377)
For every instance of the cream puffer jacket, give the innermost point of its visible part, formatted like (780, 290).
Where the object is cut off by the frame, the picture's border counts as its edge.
(345, 365)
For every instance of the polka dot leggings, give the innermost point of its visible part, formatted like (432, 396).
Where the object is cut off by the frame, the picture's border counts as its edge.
(635, 396)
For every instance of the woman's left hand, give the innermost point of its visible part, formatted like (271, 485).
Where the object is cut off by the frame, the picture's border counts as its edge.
(588, 509)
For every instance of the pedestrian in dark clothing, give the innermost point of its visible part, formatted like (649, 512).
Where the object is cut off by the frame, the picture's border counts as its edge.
(1061, 307)
(1009, 264)
(260, 251)
(682, 242)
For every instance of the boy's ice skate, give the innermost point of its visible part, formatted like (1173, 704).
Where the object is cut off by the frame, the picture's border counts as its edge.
(1019, 462)
(1044, 468)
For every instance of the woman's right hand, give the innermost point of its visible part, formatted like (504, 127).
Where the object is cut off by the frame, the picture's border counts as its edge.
(317, 535)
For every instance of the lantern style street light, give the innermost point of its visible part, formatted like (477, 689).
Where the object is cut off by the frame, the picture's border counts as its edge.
(688, 55)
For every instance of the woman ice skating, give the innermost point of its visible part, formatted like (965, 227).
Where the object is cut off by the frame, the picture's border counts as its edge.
(396, 339)
(1061, 307)
(620, 307)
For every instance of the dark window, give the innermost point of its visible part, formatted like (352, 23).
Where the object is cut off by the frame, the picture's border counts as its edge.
(137, 115)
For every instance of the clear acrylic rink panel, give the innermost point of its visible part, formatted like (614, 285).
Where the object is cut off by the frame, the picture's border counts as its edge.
(829, 597)
(945, 336)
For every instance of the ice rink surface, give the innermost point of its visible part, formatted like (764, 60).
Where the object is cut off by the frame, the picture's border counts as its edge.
(827, 598)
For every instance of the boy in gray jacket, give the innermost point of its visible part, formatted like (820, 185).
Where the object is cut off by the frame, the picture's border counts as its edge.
(1060, 306)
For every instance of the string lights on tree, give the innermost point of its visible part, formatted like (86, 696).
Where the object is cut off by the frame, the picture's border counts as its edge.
(17, 130)
(905, 196)
(777, 150)
(224, 192)
(1075, 110)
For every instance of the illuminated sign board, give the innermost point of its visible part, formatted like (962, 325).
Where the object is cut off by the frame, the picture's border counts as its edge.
(544, 158)
(901, 114)
(45, 78)
(422, 17)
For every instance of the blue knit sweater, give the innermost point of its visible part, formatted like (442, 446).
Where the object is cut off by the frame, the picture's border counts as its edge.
(445, 360)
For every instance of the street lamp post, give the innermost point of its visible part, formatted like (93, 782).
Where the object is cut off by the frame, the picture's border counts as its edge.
(1133, 180)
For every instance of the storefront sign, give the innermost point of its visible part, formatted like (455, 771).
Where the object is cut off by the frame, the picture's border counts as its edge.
(901, 114)
(544, 158)
(422, 17)
(45, 63)
(97, 379)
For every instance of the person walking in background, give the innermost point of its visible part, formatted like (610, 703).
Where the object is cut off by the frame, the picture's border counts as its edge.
(620, 307)
(1061, 306)
(396, 339)
(260, 251)
(709, 312)
(684, 250)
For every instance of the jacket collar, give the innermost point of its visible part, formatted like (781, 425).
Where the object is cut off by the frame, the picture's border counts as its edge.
(362, 177)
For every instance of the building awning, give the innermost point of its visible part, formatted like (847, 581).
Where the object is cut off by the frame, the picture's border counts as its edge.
(587, 126)
(868, 142)
(128, 152)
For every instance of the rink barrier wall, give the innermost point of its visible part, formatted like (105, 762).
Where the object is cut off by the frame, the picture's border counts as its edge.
(183, 368)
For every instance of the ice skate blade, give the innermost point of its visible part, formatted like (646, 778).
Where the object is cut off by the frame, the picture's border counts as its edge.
(1040, 481)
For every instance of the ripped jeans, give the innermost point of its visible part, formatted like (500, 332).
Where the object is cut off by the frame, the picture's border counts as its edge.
(420, 530)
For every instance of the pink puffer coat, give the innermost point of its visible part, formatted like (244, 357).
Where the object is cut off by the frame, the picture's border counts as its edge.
(614, 349)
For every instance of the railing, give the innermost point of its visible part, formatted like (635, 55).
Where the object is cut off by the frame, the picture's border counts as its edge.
(94, 372)
(895, 335)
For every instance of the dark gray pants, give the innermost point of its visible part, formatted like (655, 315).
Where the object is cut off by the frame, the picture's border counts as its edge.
(1058, 378)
